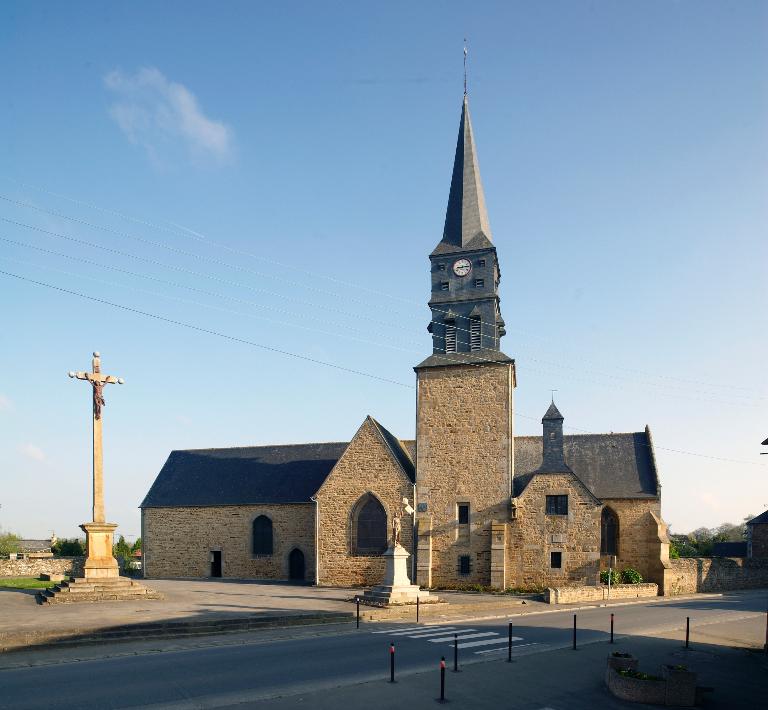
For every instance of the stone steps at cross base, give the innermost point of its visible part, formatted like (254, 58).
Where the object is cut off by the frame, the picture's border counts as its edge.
(83, 590)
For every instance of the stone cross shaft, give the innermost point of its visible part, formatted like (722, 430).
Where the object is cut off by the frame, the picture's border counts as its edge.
(97, 381)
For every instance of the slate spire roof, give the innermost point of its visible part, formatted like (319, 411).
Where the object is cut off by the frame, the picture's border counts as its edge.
(553, 413)
(466, 219)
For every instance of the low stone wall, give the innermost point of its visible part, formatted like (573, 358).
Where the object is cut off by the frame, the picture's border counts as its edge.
(571, 595)
(72, 566)
(688, 575)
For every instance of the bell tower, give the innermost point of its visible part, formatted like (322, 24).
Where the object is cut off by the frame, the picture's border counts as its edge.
(464, 410)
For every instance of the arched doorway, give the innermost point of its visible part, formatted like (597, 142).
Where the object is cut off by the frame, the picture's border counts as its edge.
(296, 565)
(609, 532)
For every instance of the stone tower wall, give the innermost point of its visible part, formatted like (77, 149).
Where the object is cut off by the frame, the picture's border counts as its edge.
(464, 455)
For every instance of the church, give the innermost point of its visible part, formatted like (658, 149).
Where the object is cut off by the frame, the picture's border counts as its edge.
(489, 507)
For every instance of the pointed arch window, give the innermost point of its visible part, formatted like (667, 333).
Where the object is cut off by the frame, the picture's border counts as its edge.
(609, 532)
(369, 526)
(262, 536)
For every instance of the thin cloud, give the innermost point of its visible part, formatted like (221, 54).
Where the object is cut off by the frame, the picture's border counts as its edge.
(159, 114)
(33, 452)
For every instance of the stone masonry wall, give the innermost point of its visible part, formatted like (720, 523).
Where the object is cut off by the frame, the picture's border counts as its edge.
(464, 455)
(688, 575)
(639, 545)
(365, 467)
(533, 535)
(177, 542)
(571, 595)
(758, 536)
(73, 566)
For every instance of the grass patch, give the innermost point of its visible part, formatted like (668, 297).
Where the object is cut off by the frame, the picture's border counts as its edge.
(25, 583)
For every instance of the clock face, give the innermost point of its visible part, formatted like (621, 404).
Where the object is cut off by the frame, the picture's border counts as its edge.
(462, 267)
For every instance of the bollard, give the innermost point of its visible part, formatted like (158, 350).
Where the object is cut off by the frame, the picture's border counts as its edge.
(766, 629)
(509, 644)
(357, 600)
(574, 632)
(687, 630)
(442, 679)
(417, 608)
(611, 628)
(455, 653)
(391, 662)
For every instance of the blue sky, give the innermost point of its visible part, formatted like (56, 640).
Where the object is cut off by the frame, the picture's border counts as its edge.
(279, 173)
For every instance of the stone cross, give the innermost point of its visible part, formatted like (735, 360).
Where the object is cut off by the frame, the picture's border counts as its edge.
(97, 381)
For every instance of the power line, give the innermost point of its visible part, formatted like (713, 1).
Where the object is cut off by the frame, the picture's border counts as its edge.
(202, 238)
(288, 353)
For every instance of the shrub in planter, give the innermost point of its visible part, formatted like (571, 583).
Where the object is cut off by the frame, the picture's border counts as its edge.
(681, 685)
(614, 576)
(622, 661)
(636, 687)
(631, 576)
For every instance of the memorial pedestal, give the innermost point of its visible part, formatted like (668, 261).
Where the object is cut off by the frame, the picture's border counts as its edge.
(397, 587)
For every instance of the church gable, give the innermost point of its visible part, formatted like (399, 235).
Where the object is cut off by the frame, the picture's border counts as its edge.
(371, 478)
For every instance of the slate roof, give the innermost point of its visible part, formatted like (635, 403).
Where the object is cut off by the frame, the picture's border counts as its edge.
(610, 465)
(34, 545)
(762, 518)
(552, 413)
(466, 218)
(246, 475)
(250, 475)
(472, 358)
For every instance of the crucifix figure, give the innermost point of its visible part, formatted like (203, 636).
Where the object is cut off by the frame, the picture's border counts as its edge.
(97, 381)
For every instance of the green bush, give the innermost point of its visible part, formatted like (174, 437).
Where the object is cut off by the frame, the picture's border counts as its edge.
(614, 576)
(8, 543)
(638, 675)
(631, 576)
(674, 553)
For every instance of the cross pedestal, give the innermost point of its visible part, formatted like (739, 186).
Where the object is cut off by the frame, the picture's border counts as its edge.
(100, 563)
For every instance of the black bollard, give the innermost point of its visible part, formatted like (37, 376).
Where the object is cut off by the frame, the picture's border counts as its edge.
(455, 653)
(417, 608)
(574, 632)
(357, 600)
(687, 630)
(766, 629)
(442, 679)
(509, 644)
(391, 662)
(611, 628)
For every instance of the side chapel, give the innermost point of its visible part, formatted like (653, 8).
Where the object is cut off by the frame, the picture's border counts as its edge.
(520, 511)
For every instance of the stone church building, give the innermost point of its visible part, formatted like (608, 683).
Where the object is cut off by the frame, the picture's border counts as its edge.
(491, 508)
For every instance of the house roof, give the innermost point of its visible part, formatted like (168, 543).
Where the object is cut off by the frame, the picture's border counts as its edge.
(609, 465)
(476, 357)
(34, 545)
(762, 518)
(250, 475)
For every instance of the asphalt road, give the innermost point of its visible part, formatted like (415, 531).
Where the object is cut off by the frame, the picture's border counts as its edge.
(226, 675)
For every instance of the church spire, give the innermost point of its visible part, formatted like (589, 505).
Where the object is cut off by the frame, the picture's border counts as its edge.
(466, 219)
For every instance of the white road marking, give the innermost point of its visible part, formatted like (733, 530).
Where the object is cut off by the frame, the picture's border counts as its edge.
(499, 650)
(442, 632)
(465, 636)
(396, 629)
(487, 642)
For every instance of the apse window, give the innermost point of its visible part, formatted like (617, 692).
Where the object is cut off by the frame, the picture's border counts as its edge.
(464, 564)
(557, 505)
(463, 513)
(556, 560)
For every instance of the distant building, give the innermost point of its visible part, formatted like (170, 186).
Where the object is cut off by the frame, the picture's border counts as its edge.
(729, 549)
(491, 508)
(36, 548)
(757, 536)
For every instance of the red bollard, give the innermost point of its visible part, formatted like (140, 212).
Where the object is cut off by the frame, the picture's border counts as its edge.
(442, 679)
(391, 662)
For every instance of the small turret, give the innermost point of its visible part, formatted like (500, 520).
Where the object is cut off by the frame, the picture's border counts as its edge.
(553, 455)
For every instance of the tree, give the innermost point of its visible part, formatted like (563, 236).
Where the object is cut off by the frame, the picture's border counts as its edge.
(8, 543)
(121, 549)
(136, 545)
(69, 548)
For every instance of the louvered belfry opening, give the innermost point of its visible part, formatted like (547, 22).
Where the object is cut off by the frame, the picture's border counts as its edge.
(450, 336)
(474, 333)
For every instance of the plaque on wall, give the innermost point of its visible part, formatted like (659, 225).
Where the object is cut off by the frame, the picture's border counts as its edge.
(421, 507)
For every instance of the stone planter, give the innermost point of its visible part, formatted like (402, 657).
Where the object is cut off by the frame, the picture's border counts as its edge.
(681, 686)
(635, 690)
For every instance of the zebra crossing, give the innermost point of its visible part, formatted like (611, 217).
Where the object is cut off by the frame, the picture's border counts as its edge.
(465, 638)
